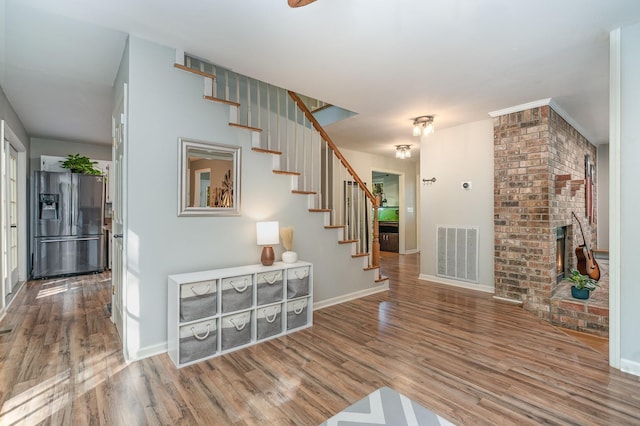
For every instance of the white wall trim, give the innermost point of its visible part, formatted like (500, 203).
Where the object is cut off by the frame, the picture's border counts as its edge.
(542, 102)
(439, 280)
(521, 107)
(569, 119)
(412, 251)
(351, 296)
(147, 352)
(614, 199)
(629, 366)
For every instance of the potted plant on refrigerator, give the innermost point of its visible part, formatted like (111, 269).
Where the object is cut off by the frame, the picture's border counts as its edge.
(582, 285)
(80, 164)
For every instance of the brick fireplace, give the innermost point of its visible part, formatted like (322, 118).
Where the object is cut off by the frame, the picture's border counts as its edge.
(539, 163)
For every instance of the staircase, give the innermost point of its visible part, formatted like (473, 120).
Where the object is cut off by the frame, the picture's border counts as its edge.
(283, 126)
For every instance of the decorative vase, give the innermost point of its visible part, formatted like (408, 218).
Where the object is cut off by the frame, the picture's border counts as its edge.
(289, 257)
(580, 293)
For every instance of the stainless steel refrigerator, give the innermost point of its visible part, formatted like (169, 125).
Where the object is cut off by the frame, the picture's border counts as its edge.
(68, 218)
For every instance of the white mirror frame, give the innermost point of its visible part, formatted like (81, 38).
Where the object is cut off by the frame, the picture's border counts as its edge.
(185, 146)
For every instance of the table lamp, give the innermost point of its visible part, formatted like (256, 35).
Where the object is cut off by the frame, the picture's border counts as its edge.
(268, 235)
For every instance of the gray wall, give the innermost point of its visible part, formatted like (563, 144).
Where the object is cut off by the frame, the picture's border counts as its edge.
(629, 197)
(12, 120)
(160, 243)
(62, 148)
(454, 155)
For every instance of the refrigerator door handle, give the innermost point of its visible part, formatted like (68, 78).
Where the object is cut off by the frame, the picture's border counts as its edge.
(74, 204)
(70, 240)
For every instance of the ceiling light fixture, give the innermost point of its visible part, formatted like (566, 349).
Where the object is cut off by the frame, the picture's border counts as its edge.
(403, 151)
(423, 125)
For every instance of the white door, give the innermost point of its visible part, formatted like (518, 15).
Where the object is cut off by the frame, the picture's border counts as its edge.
(12, 216)
(119, 237)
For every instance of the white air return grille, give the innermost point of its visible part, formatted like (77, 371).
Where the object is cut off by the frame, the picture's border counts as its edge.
(457, 253)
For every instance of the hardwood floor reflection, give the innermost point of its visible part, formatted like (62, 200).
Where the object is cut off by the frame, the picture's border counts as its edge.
(457, 352)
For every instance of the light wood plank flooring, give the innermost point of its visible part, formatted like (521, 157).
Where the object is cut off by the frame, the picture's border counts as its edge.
(460, 353)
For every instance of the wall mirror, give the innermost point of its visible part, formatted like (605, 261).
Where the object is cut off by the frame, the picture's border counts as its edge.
(208, 179)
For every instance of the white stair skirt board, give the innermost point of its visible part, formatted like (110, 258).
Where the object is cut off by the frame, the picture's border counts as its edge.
(457, 253)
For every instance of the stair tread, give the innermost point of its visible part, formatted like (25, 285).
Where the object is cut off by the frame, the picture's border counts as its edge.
(320, 210)
(222, 101)
(347, 241)
(286, 172)
(303, 192)
(266, 151)
(360, 255)
(193, 71)
(382, 278)
(243, 126)
(334, 226)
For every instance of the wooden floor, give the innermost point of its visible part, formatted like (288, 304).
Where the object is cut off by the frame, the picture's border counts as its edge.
(459, 353)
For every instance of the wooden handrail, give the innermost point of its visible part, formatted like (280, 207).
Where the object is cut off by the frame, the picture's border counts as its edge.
(375, 245)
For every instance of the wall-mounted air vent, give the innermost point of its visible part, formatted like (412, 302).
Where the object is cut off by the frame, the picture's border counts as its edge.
(457, 253)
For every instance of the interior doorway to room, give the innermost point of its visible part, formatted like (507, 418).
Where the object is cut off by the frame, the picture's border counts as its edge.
(386, 188)
(12, 218)
(119, 221)
(13, 208)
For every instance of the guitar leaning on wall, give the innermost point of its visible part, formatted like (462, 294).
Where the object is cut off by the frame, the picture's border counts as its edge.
(587, 264)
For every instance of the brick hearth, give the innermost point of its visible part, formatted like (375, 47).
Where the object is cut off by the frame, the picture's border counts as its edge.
(591, 316)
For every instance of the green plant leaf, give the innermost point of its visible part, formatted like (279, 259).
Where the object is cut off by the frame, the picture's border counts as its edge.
(77, 163)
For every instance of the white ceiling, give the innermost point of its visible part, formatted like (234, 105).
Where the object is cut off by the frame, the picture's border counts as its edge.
(387, 60)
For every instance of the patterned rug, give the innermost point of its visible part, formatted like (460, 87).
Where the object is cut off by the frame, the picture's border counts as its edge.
(386, 407)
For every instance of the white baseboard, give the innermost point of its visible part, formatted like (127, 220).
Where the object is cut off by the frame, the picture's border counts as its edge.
(18, 288)
(454, 283)
(631, 367)
(147, 352)
(413, 251)
(351, 296)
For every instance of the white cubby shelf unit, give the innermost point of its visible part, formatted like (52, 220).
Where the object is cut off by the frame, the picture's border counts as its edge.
(214, 312)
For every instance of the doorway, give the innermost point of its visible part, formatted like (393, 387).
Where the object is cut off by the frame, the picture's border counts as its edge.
(387, 189)
(13, 208)
(119, 221)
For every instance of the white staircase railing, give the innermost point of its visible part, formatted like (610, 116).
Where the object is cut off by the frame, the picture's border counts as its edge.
(283, 124)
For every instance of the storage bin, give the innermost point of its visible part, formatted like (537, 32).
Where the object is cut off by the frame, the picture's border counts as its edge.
(269, 287)
(237, 293)
(236, 330)
(198, 341)
(268, 321)
(296, 313)
(198, 300)
(297, 282)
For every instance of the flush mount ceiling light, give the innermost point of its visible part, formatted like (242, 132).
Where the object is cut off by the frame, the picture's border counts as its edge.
(423, 125)
(403, 151)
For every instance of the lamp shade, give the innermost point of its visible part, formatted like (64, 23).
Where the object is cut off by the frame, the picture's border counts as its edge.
(267, 233)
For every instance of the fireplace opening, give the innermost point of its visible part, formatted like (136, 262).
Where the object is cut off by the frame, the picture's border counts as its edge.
(561, 252)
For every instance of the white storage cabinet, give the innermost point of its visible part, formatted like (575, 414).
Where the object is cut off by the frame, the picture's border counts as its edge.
(214, 312)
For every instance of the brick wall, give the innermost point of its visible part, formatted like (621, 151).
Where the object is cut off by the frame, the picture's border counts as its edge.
(531, 149)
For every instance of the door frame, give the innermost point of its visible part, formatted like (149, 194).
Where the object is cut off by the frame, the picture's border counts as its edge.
(119, 203)
(7, 134)
(401, 202)
(196, 196)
